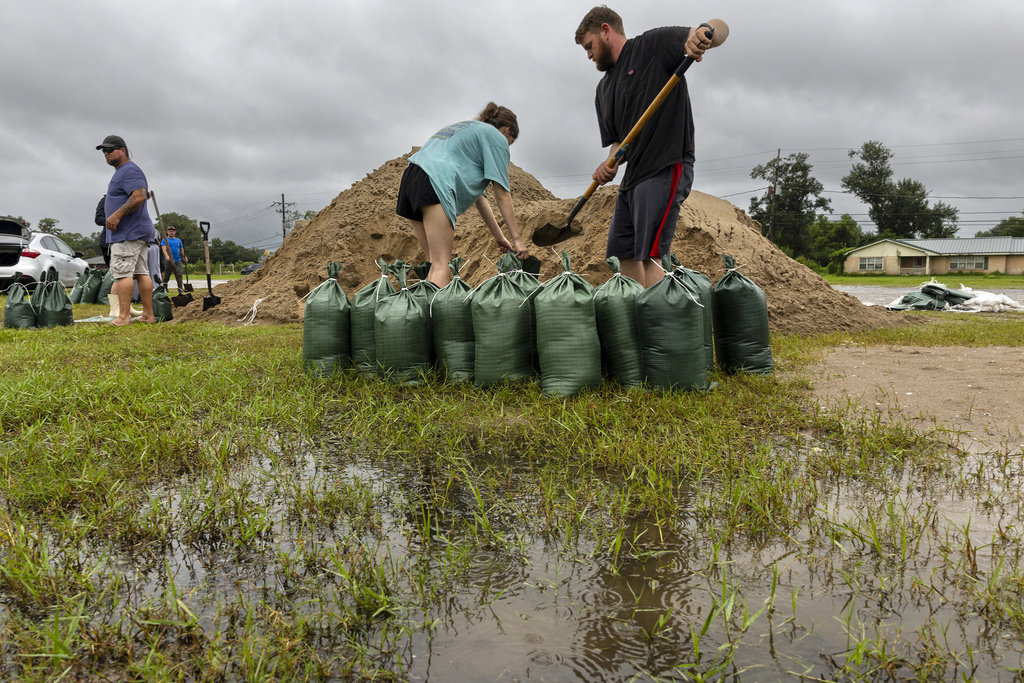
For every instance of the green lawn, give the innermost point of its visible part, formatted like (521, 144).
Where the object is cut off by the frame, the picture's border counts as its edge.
(953, 280)
(185, 502)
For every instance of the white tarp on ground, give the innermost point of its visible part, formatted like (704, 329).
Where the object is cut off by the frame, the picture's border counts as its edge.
(986, 301)
(935, 294)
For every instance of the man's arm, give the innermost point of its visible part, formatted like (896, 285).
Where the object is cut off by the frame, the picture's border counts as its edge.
(135, 200)
(697, 43)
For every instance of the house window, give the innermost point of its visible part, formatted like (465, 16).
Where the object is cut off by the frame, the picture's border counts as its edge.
(871, 263)
(968, 263)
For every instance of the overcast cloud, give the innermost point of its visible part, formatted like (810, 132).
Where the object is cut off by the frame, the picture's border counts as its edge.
(226, 105)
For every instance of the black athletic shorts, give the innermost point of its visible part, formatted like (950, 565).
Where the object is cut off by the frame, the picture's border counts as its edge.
(414, 193)
(644, 220)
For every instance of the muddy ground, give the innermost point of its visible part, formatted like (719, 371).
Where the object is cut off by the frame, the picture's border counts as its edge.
(969, 397)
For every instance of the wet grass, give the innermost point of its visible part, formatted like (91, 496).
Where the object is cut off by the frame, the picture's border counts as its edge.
(981, 281)
(183, 502)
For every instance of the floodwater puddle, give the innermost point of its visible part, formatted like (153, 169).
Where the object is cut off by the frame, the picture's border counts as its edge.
(452, 582)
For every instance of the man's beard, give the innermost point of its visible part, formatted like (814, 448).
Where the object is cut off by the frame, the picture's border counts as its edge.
(603, 56)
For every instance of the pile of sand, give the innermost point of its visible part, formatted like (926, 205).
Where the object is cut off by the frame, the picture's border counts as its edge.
(360, 226)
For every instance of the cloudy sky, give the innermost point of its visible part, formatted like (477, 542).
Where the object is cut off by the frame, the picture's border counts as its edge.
(228, 104)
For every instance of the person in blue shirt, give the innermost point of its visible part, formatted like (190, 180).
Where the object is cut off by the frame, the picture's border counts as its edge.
(129, 231)
(174, 256)
(450, 173)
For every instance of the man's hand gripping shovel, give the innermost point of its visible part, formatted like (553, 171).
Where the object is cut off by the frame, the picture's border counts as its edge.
(551, 234)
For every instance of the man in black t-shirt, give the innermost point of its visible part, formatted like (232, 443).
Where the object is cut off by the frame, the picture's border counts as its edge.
(659, 171)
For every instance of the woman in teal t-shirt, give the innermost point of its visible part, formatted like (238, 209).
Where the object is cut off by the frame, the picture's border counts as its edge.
(449, 174)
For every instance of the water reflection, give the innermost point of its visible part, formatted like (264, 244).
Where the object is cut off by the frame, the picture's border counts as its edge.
(415, 557)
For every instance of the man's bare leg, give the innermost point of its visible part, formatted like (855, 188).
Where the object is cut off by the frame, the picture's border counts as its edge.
(123, 289)
(146, 294)
(647, 273)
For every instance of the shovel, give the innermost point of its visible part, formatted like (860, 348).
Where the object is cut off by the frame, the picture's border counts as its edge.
(162, 233)
(550, 234)
(178, 300)
(208, 301)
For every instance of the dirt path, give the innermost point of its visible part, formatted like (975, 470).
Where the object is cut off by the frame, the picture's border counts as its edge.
(975, 393)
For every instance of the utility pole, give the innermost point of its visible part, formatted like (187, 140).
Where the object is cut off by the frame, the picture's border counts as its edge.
(284, 214)
(773, 190)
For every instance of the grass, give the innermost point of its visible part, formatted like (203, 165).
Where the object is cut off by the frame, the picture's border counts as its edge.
(982, 281)
(183, 502)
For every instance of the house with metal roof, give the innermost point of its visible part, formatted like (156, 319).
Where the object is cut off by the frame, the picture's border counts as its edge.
(938, 256)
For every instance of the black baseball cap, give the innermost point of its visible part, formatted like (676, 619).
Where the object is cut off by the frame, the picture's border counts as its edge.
(112, 141)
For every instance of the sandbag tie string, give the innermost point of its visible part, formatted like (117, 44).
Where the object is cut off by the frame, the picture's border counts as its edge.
(252, 313)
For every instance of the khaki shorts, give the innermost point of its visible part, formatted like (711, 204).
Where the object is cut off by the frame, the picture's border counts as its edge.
(128, 259)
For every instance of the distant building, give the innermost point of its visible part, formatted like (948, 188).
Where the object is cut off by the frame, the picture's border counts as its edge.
(938, 256)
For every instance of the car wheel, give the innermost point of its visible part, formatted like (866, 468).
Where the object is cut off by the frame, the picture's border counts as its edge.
(48, 277)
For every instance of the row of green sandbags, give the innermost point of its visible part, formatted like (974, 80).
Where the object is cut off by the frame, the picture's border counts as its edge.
(48, 306)
(92, 287)
(51, 306)
(511, 327)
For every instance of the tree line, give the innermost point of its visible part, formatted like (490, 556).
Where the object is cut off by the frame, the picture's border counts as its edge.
(789, 209)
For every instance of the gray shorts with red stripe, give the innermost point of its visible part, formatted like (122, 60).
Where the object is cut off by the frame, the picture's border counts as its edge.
(644, 220)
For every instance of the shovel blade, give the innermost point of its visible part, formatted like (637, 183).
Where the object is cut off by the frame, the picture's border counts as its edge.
(551, 234)
(210, 301)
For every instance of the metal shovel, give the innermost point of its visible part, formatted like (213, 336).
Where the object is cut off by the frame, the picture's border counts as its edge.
(550, 234)
(210, 300)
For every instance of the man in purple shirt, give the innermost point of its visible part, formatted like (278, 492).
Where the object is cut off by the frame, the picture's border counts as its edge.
(129, 231)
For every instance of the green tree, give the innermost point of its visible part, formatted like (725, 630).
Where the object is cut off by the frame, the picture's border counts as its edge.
(226, 251)
(797, 199)
(221, 251)
(828, 237)
(899, 209)
(49, 226)
(89, 245)
(1008, 227)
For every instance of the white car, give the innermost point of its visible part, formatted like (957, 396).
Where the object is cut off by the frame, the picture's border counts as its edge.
(38, 256)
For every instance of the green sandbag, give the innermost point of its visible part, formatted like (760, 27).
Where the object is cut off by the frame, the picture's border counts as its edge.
(952, 297)
(425, 291)
(503, 326)
(364, 303)
(53, 306)
(163, 307)
(326, 333)
(421, 271)
(567, 340)
(451, 323)
(741, 323)
(402, 333)
(92, 286)
(700, 283)
(103, 293)
(79, 288)
(526, 275)
(615, 309)
(918, 301)
(18, 310)
(671, 325)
